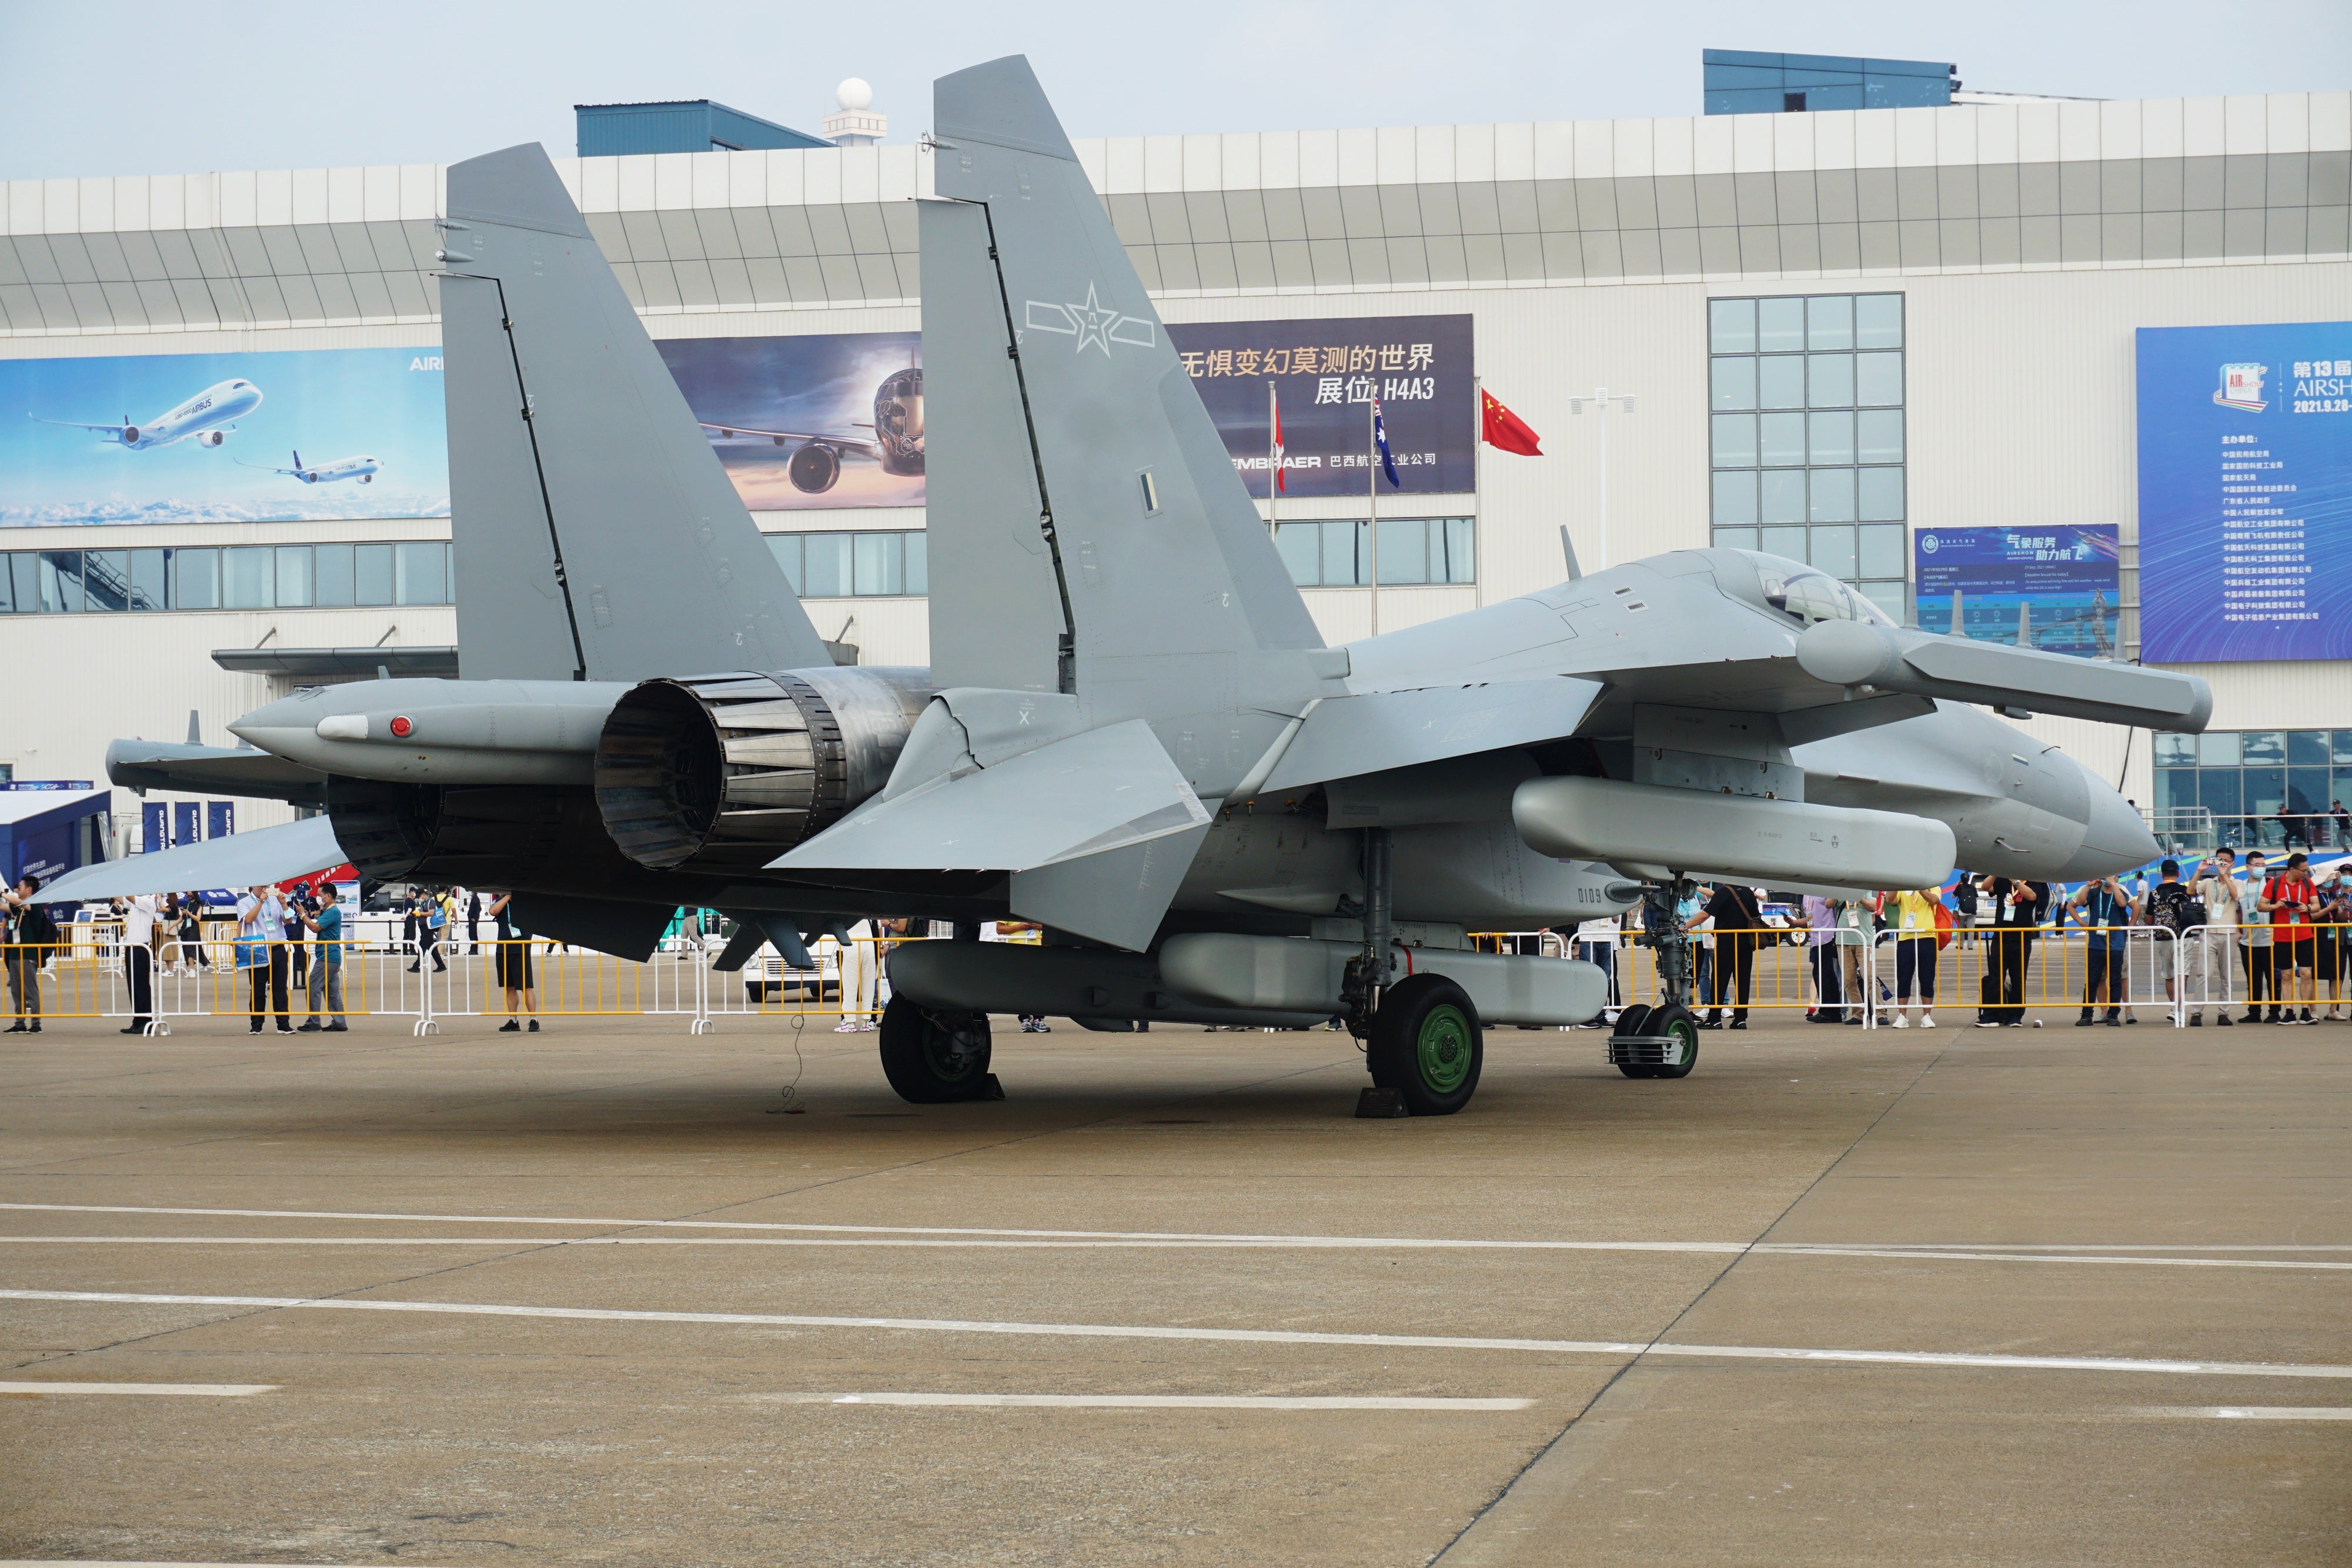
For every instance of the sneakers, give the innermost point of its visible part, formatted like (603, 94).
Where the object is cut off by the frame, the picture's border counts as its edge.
(1737, 1023)
(309, 1026)
(2307, 1018)
(510, 1027)
(2227, 1021)
(534, 1027)
(2197, 1021)
(19, 1027)
(2086, 1021)
(845, 1026)
(337, 1026)
(1927, 1020)
(1901, 1021)
(1987, 1023)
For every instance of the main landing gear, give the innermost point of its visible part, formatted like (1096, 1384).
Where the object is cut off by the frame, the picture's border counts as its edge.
(1660, 1041)
(1421, 1041)
(936, 1058)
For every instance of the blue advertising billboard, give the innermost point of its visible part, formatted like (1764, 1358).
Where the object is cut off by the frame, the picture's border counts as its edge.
(202, 438)
(2245, 464)
(1328, 372)
(2056, 589)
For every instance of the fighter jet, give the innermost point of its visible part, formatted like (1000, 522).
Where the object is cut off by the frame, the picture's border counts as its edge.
(1130, 731)
(206, 419)
(363, 469)
(897, 443)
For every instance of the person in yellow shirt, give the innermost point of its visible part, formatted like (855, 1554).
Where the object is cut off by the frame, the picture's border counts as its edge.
(1915, 936)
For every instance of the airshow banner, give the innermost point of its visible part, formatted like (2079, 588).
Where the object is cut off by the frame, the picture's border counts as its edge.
(184, 438)
(815, 420)
(2245, 475)
(1328, 370)
(2055, 588)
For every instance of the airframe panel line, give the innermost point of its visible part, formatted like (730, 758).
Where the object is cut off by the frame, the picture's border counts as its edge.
(1238, 1336)
(1138, 1244)
(1892, 1249)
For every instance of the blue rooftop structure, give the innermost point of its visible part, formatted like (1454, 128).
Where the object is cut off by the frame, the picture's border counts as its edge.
(693, 125)
(1741, 82)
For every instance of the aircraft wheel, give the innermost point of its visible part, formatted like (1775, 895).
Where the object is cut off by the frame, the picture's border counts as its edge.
(1678, 1023)
(934, 1058)
(1426, 1044)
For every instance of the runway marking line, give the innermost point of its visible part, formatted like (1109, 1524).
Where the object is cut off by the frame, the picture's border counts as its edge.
(2250, 1412)
(213, 1390)
(1148, 1401)
(1634, 1348)
(802, 1234)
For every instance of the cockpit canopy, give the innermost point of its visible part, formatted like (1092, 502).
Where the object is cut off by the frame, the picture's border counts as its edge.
(1810, 595)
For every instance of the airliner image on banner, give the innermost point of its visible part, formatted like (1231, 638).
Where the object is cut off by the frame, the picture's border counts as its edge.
(173, 438)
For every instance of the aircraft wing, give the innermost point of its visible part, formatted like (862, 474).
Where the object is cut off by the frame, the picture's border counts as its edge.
(264, 467)
(846, 443)
(241, 859)
(144, 764)
(113, 429)
(1372, 732)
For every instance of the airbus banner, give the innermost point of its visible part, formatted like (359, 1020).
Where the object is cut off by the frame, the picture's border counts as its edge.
(1327, 372)
(2245, 491)
(189, 438)
(2055, 588)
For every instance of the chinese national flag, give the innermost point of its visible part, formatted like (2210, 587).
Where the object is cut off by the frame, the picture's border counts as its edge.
(1498, 426)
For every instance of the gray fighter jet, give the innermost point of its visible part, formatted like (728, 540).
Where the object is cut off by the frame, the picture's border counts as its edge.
(1130, 731)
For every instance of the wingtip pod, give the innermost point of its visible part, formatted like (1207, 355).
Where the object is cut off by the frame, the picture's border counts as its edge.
(515, 186)
(999, 102)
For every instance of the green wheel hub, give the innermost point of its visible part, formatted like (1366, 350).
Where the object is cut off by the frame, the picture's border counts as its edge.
(1443, 1051)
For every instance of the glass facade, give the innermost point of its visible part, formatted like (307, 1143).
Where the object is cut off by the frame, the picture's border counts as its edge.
(1739, 81)
(855, 566)
(227, 576)
(1337, 552)
(1805, 443)
(2253, 786)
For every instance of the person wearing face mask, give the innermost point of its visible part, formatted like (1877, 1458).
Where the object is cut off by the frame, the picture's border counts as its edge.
(2254, 941)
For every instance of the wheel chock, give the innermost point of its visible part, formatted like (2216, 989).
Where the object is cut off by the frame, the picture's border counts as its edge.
(1380, 1105)
(990, 1089)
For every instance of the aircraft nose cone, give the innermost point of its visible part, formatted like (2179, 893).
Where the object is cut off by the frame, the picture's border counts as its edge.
(2113, 838)
(277, 722)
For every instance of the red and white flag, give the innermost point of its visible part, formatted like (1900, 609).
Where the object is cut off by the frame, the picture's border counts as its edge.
(1273, 453)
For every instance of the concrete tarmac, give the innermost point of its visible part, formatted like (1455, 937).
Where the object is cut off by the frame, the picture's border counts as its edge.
(2054, 1296)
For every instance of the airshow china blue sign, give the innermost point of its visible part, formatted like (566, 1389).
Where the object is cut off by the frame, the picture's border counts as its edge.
(2055, 588)
(2245, 476)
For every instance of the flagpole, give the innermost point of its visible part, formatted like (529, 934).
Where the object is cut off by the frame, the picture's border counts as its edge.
(1273, 457)
(1477, 496)
(1373, 502)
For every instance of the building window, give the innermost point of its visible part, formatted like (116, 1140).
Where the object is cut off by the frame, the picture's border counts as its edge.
(2252, 788)
(1806, 437)
(878, 564)
(235, 577)
(1337, 552)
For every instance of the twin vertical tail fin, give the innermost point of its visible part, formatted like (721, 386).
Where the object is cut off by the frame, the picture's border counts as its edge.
(1077, 487)
(596, 536)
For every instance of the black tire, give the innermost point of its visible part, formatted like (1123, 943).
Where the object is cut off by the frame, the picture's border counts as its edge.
(934, 1058)
(1426, 1044)
(1683, 1025)
(1634, 1021)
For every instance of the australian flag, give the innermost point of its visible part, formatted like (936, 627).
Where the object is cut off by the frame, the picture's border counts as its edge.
(1380, 445)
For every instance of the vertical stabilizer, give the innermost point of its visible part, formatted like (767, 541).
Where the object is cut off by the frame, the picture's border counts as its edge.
(1181, 609)
(596, 536)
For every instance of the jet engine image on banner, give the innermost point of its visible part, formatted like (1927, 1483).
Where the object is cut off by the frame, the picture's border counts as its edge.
(1328, 372)
(820, 420)
(206, 438)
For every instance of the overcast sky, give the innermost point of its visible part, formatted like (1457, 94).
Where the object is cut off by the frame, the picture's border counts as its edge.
(133, 87)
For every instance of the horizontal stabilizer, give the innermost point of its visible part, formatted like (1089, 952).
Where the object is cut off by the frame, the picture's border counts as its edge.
(241, 859)
(144, 764)
(1376, 731)
(1855, 654)
(1118, 896)
(630, 931)
(1100, 791)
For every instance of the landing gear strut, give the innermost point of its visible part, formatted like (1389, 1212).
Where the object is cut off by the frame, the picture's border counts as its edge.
(1421, 1034)
(1660, 1041)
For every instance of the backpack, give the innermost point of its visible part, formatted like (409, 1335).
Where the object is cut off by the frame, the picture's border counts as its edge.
(2173, 907)
(35, 928)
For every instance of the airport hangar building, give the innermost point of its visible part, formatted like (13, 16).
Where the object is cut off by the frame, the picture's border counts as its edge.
(1962, 286)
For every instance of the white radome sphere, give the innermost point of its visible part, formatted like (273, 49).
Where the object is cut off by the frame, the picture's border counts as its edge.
(854, 94)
